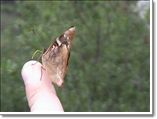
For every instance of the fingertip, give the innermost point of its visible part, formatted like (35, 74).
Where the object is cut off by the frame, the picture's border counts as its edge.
(31, 72)
(40, 93)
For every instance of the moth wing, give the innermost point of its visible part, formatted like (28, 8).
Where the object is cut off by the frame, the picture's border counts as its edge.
(55, 59)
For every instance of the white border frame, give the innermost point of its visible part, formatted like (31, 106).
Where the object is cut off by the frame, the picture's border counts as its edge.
(105, 113)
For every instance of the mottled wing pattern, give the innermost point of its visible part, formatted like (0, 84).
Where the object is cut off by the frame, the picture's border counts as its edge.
(55, 58)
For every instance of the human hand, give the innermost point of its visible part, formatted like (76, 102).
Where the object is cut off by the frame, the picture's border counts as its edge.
(40, 92)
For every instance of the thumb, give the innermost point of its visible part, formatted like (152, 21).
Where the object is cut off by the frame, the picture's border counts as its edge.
(40, 92)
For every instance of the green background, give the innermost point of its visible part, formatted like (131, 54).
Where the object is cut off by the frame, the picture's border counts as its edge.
(109, 65)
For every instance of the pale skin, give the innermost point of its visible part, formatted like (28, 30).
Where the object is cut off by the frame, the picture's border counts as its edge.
(40, 91)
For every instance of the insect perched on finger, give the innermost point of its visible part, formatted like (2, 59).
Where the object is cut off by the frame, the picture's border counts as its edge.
(56, 57)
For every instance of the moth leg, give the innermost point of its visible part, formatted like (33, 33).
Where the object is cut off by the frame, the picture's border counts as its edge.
(42, 68)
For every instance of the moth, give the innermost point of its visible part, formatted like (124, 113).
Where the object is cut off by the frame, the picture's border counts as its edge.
(55, 58)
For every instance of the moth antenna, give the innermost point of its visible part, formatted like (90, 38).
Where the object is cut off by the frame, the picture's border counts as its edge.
(36, 53)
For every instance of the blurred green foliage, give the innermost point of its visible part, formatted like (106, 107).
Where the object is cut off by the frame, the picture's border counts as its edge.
(109, 63)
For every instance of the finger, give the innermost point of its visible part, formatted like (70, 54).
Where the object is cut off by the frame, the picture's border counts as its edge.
(40, 92)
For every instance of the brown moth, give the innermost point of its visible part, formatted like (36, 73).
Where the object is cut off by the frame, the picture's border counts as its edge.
(55, 58)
